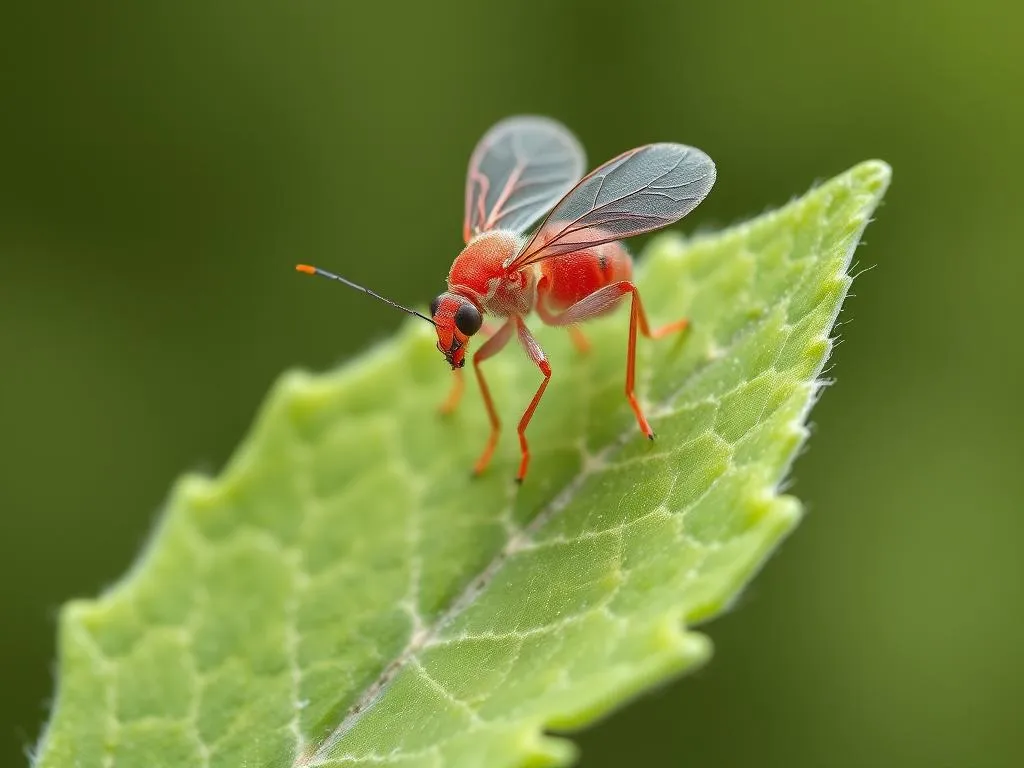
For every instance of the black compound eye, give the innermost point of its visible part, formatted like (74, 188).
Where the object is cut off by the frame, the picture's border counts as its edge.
(434, 306)
(468, 319)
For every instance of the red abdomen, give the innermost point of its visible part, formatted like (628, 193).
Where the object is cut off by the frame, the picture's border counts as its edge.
(574, 276)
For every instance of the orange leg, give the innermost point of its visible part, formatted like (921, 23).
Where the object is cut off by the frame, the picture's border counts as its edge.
(636, 313)
(454, 394)
(601, 301)
(579, 340)
(490, 348)
(451, 402)
(536, 354)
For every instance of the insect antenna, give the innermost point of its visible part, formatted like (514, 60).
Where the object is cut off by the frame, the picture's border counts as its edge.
(324, 273)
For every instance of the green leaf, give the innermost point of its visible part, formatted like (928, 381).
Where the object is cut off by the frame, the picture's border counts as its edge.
(345, 594)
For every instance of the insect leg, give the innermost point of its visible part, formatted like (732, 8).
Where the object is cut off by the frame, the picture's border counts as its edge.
(536, 354)
(599, 302)
(579, 340)
(637, 314)
(454, 397)
(490, 348)
(454, 394)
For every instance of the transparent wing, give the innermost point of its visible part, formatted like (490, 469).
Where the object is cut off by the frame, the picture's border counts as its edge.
(519, 169)
(641, 190)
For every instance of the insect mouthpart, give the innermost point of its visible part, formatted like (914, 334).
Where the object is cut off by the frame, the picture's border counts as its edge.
(454, 360)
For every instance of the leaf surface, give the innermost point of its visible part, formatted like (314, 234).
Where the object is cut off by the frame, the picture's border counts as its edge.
(344, 594)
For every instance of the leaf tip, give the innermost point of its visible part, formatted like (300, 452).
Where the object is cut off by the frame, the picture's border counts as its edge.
(874, 175)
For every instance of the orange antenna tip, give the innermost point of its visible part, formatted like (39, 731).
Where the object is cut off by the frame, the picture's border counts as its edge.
(331, 276)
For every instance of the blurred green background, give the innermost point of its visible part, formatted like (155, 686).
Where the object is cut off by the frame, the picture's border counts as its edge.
(162, 167)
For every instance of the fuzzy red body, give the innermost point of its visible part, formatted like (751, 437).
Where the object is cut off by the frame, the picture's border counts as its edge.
(479, 274)
(567, 279)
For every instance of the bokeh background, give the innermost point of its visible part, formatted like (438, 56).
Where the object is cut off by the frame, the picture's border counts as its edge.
(162, 166)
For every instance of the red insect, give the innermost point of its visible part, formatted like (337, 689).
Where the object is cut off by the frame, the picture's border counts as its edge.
(572, 268)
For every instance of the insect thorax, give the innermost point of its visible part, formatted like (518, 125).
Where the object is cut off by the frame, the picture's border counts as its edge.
(479, 274)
